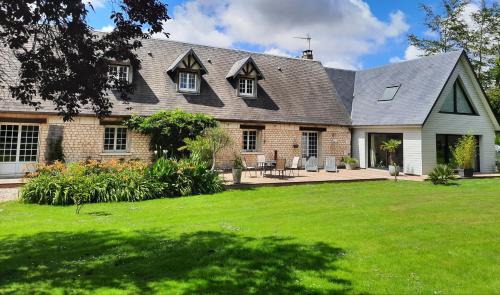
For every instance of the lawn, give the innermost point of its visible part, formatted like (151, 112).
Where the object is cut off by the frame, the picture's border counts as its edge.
(355, 238)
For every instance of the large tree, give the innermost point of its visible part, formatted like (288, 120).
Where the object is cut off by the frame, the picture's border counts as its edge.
(60, 58)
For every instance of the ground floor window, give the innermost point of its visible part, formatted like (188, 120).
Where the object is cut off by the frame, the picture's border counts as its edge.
(115, 139)
(250, 140)
(378, 158)
(445, 143)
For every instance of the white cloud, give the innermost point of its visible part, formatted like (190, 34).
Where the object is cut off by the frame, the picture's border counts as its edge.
(107, 29)
(342, 30)
(411, 52)
(278, 52)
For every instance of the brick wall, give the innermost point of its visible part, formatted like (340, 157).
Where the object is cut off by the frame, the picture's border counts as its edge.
(84, 138)
(286, 140)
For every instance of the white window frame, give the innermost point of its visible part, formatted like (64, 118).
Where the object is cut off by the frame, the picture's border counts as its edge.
(243, 92)
(187, 89)
(117, 75)
(115, 140)
(19, 143)
(246, 140)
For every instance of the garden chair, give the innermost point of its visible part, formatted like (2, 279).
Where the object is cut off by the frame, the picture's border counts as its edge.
(294, 166)
(281, 167)
(249, 169)
(330, 164)
(261, 163)
(312, 164)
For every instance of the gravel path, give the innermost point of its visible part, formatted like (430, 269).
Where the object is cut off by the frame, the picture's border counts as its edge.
(8, 194)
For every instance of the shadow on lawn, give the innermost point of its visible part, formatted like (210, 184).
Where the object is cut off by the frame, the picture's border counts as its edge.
(148, 262)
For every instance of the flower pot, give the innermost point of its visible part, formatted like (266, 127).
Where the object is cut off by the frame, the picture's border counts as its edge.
(466, 172)
(349, 166)
(236, 176)
(394, 170)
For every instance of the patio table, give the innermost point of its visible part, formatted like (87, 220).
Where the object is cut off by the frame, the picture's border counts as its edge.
(265, 165)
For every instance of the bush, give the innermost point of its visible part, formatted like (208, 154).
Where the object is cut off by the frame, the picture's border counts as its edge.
(442, 174)
(168, 129)
(465, 151)
(185, 177)
(349, 160)
(90, 182)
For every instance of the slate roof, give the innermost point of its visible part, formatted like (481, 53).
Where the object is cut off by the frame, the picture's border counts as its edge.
(421, 82)
(294, 90)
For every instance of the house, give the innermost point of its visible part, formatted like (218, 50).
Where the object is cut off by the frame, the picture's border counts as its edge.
(277, 106)
(427, 103)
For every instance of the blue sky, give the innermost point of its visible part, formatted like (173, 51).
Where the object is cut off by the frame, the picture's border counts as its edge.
(346, 34)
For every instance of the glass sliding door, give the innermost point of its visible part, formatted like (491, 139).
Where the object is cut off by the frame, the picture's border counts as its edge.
(377, 158)
(445, 143)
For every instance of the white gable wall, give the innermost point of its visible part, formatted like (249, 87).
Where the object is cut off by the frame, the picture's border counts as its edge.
(412, 147)
(439, 123)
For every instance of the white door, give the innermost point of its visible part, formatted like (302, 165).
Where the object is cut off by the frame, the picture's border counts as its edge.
(18, 148)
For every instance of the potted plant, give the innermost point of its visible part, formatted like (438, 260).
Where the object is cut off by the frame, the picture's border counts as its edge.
(350, 163)
(464, 153)
(391, 146)
(237, 168)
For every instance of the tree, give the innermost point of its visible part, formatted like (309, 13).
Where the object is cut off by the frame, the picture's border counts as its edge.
(390, 146)
(478, 33)
(60, 58)
(169, 129)
(207, 146)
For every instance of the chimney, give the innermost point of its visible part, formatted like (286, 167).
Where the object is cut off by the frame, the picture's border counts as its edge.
(307, 54)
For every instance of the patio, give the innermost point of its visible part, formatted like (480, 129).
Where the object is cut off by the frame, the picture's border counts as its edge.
(343, 175)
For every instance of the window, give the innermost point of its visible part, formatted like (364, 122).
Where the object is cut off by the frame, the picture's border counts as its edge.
(115, 139)
(18, 143)
(246, 87)
(119, 72)
(309, 144)
(249, 140)
(445, 143)
(389, 93)
(187, 81)
(457, 101)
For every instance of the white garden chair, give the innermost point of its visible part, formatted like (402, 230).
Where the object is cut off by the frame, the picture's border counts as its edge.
(331, 164)
(312, 164)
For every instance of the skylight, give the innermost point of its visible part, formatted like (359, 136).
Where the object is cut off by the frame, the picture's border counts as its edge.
(389, 93)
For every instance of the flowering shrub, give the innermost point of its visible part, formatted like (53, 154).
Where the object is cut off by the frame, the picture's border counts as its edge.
(113, 181)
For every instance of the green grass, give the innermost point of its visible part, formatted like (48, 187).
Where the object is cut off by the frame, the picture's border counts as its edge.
(369, 238)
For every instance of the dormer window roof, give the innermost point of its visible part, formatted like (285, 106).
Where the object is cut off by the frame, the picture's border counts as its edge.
(188, 61)
(245, 67)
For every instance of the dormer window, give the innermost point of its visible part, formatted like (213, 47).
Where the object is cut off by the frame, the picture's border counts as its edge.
(119, 72)
(246, 87)
(244, 75)
(186, 71)
(188, 82)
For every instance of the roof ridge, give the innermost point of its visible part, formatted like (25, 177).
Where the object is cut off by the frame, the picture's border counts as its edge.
(250, 53)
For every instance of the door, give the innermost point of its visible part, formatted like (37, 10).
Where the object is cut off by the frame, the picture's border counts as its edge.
(309, 145)
(378, 158)
(18, 148)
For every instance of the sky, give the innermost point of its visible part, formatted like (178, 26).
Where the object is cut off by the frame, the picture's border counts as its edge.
(350, 34)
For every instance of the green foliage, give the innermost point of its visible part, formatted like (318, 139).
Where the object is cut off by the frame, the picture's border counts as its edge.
(494, 97)
(169, 129)
(497, 139)
(442, 174)
(390, 146)
(90, 182)
(238, 162)
(206, 146)
(184, 177)
(349, 160)
(465, 151)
